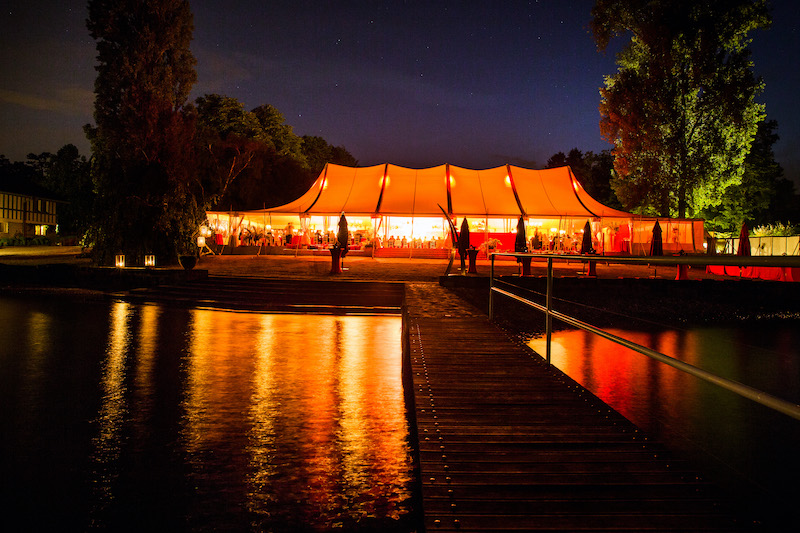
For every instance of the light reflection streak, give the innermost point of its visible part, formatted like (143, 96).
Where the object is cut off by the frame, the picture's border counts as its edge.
(107, 443)
(146, 350)
(313, 407)
(264, 410)
(39, 326)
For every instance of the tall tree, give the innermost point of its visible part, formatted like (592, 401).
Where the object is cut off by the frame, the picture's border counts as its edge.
(143, 141)
(681, 110)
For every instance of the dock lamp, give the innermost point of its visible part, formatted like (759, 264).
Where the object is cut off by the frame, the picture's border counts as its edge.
(149, 260)
(119, 261)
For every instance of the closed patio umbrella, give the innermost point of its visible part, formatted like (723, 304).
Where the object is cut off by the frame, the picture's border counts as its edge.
(656, 245)
(744, 242)
(586, 243)
(521, 242)
(463, 241)
(343, 236)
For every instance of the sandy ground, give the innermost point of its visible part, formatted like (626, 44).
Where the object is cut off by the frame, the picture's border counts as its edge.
(354, 267)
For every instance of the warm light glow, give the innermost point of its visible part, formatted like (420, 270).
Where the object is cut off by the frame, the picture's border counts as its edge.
(333, 415)
(149, 260)
(452, 181)
(384, 181)
(508, 181)
(201, 241)
(119, 261)
(553, 230)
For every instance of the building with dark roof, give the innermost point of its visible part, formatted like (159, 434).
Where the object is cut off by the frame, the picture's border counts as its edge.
(26, 209)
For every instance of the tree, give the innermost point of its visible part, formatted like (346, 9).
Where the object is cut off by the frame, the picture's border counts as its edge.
(760, 198)
(681, 110)
(593, 171)
(232, 145)
(148, 200)
(284, 140)
(317, 152)
(66, 174)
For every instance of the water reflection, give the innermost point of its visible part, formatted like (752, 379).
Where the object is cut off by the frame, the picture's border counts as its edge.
(747, 445)
(143, 417)
(309, 407)
(108, 441)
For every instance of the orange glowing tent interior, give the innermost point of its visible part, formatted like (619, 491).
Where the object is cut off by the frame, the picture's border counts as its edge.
(506, 191)
(552, 200)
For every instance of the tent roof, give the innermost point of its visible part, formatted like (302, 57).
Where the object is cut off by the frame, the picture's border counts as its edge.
(506, 191)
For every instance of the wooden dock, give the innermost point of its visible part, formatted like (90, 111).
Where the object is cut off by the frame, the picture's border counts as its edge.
(507, 443)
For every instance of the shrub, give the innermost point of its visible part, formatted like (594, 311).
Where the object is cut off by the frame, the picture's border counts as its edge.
(775, 230)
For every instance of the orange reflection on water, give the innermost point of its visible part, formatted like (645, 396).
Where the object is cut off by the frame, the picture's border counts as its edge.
(309, 406)
(107, 443)
(146, 350)
(628, 381)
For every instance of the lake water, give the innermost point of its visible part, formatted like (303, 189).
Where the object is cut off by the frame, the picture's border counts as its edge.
(138, 417)
(747, 448)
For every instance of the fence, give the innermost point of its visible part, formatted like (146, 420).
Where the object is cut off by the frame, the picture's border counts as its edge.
(763, 246)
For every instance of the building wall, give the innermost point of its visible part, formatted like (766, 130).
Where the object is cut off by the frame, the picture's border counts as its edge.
(19, 212)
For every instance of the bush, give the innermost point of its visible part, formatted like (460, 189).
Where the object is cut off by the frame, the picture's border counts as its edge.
(775, 230)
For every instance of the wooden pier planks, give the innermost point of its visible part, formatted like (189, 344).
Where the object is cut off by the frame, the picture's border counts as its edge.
(507, 443)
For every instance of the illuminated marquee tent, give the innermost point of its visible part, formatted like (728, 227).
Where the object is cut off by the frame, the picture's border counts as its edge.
(389, 202)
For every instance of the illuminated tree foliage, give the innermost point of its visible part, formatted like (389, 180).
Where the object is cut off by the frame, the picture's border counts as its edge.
(761, 198)
(681, 110)
(148, 198)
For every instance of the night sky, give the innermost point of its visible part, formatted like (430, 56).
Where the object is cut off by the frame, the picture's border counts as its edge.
(418, 84)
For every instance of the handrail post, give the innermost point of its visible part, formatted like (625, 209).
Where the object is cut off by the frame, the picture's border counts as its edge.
(549, 318)
(491, 288)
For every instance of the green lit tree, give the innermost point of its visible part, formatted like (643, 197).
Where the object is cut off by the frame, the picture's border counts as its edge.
(756, 199)
(681, 110)
(148, 199)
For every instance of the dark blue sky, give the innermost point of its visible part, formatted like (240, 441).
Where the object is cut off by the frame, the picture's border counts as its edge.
(474, 84)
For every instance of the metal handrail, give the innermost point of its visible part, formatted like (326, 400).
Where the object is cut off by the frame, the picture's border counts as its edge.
(746, 391)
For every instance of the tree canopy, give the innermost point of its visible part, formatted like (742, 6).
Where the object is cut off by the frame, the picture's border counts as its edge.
(681, 110)
(256, 156)
(143, 157)
(763, 197)
(593, 171)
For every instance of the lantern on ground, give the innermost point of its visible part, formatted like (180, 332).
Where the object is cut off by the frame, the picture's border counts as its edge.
(119, 261)
(149, 260)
